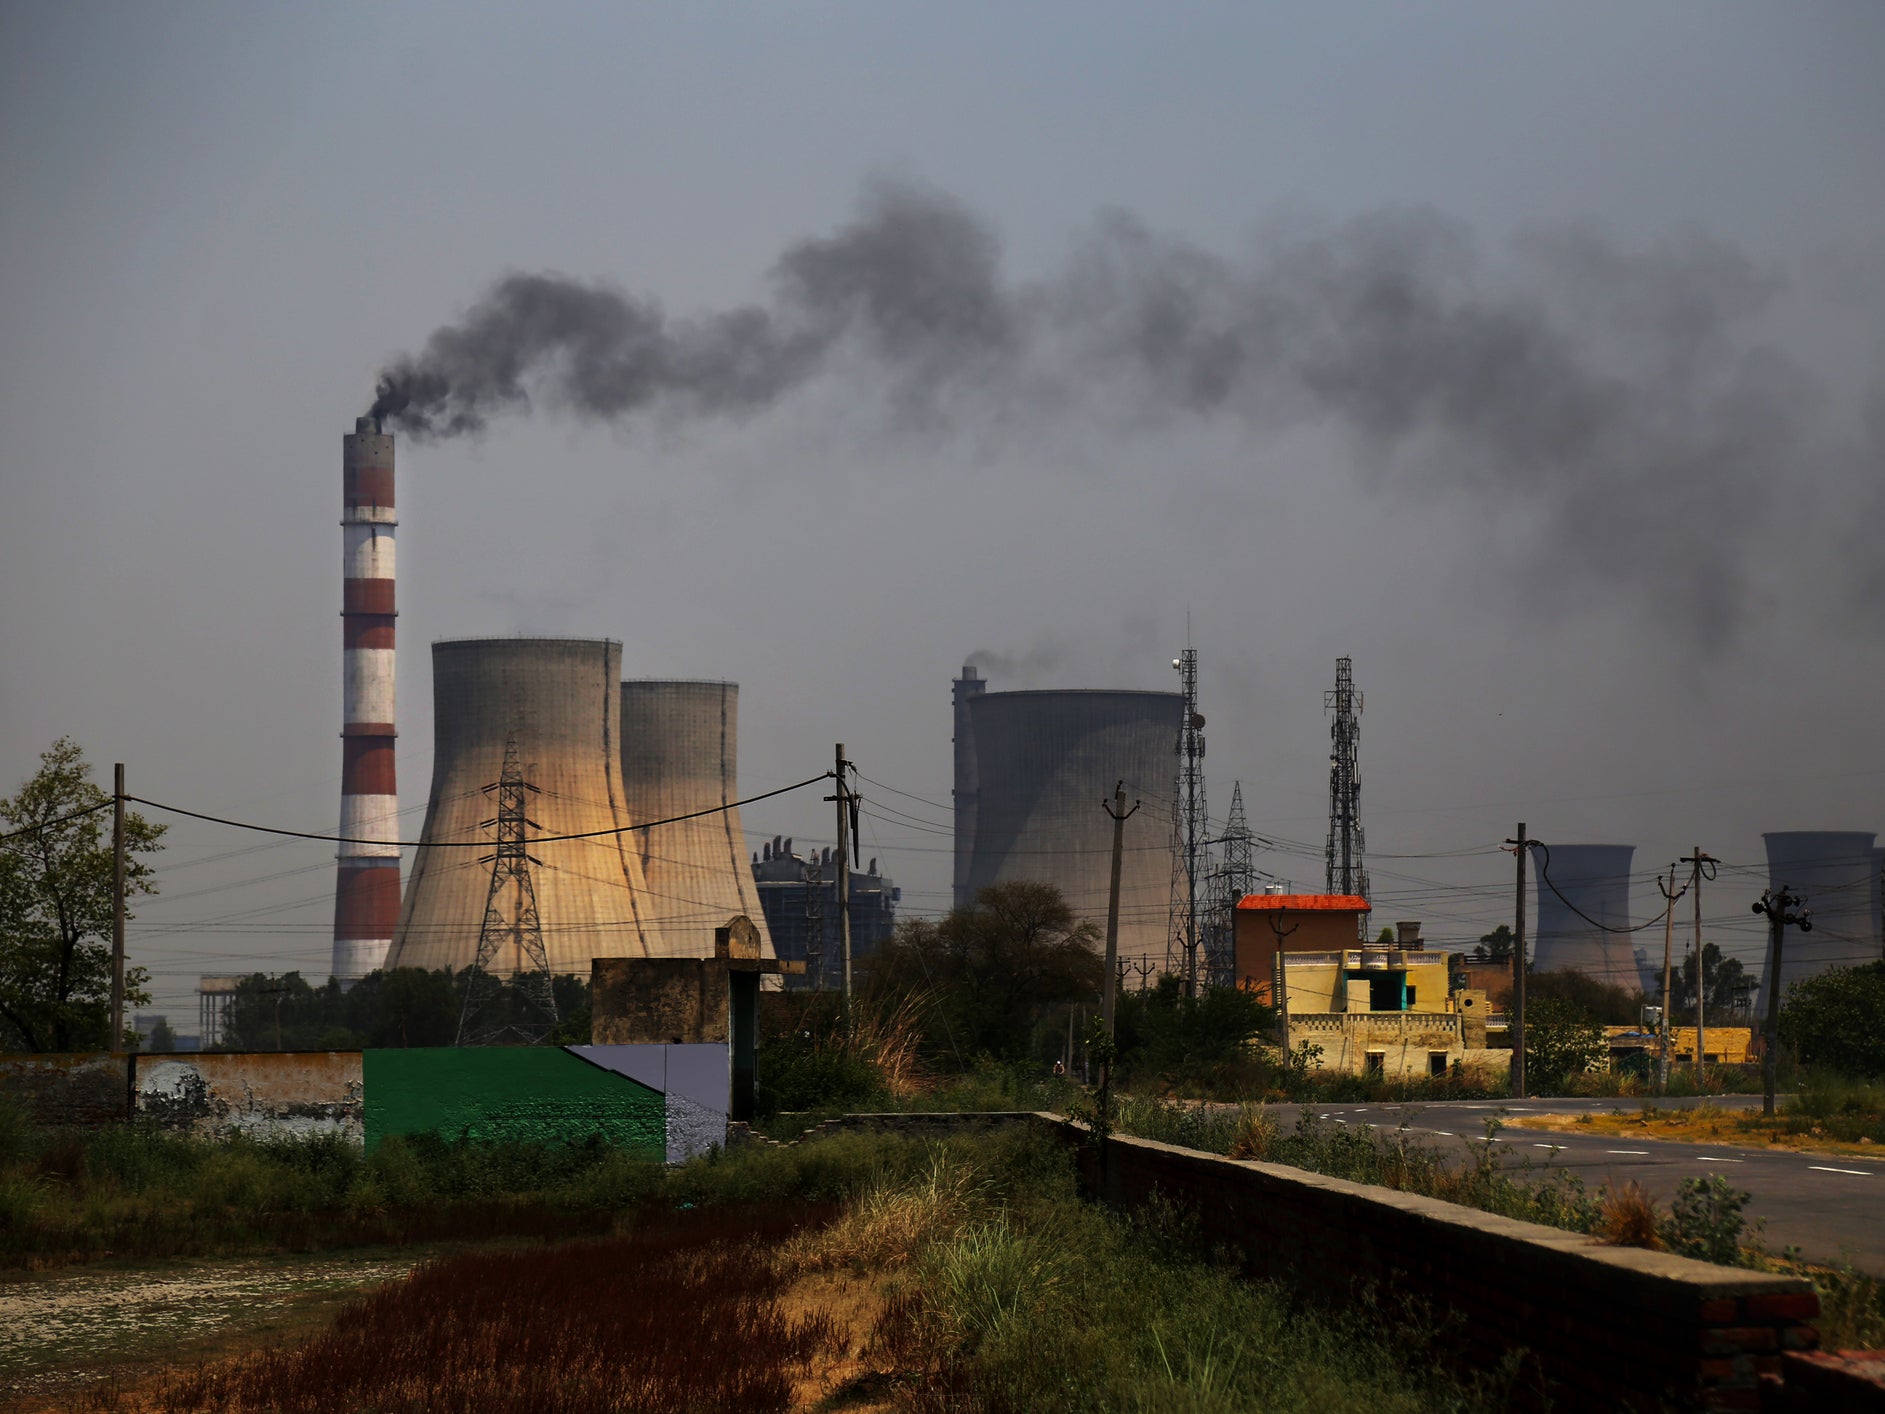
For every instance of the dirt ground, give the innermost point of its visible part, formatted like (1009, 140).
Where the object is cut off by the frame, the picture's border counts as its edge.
(68, 1338)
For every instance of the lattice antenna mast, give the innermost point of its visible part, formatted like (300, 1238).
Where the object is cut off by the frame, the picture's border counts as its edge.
(1190, 828)
(1345, 872)
(510, 917)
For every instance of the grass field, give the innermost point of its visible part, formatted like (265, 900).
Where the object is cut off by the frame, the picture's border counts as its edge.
(965, 1274)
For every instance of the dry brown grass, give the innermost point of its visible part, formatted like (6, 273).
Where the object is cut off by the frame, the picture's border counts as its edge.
(680, 1314)
(1629, 1218)
(887, 1226)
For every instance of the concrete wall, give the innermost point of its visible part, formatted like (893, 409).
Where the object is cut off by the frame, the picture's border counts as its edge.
(658, 1001)
(285, 1094)
(89, 1089)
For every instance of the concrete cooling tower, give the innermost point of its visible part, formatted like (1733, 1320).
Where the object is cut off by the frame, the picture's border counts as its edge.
(680, 752)
(1595, 879)
(1836, 872)
(1037, 765)
(559, 699)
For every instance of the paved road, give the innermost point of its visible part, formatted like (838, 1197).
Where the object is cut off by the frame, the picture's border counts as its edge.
(1832, 1207)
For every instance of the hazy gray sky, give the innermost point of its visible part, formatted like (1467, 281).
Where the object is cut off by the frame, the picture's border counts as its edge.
(218, 223)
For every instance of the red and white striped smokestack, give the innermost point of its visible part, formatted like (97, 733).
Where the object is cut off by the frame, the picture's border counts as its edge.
(366, 894)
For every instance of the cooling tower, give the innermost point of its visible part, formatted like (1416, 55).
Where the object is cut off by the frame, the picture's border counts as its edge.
(1594, 879)
(1835, 872)
(366, 887)
(560, 698)
(680, 751)
(1044, 762)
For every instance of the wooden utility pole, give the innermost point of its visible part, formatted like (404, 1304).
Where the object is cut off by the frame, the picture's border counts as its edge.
(1120, 815)
(1698, 860)
(1778, 908)
(1515, 1025)
(117, 906)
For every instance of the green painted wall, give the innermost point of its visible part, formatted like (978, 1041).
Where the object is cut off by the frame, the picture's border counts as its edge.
(537, 1093)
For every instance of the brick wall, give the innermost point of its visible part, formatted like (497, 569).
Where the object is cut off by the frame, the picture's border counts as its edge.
(1602, 1327)
(89, 1089)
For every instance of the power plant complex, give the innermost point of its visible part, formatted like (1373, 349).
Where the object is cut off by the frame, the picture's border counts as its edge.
(634, 847)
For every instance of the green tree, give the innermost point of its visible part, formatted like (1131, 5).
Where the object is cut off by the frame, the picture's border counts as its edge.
(1722, 976)
(1598, 1000)
(1561, 1041)
(1833, 1019)
(1162, 1032)
(162, 1038)
(55, 906)
(1495, 946)
(993, 968)
(1388, 937)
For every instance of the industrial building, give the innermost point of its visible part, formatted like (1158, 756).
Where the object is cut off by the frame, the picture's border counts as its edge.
(680, 757)
(557, 704)
(1583, 892)
(799, 896)
(1031, 771)
(366, 890)
(1836, 875)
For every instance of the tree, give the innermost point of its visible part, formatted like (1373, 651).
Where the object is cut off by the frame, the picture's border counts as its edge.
(56, 906)
(1723, 978)
(1833, 1019)
(1388, 937)
(1560, 1041)
(1164, 1033)
(993, 968)
(1495, 946)
(162, 1038)
(1599, 1001)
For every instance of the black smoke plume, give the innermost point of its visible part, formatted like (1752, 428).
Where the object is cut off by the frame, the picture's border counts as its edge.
(1616, 400)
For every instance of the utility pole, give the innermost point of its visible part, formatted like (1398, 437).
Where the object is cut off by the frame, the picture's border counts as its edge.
(1515, 1025)
(1670, 895)
(117, 906)
(847, 840)
(1120, 815)
(1703, 869)
(1778, 908)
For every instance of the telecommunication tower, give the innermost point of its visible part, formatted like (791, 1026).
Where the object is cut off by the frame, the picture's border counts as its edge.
(1345, 873)
(510, 916)
(1190, 842)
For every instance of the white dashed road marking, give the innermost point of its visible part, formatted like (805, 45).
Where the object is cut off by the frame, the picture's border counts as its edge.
(1643, 1152)
(1821, 1168)
(1710, 1159)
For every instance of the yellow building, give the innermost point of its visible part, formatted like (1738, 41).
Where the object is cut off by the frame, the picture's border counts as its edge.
(1392, 1010)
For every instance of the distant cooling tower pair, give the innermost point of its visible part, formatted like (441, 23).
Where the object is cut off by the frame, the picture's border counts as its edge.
(602, 755)
(1031, 772)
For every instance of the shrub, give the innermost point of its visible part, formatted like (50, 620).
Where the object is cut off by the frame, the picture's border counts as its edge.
(1705, 1220)
(1831, 1019)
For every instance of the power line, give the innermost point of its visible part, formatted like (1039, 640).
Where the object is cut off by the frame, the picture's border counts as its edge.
(470, 844)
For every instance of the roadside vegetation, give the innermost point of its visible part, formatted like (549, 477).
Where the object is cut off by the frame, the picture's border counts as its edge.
(959, 1274)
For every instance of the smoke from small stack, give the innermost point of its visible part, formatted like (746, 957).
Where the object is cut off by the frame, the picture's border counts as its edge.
(1604, 393)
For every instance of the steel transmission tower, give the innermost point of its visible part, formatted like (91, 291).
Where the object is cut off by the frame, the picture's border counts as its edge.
(1234, 877)
(1346, 874)
(510, 916)
(1190, 830)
